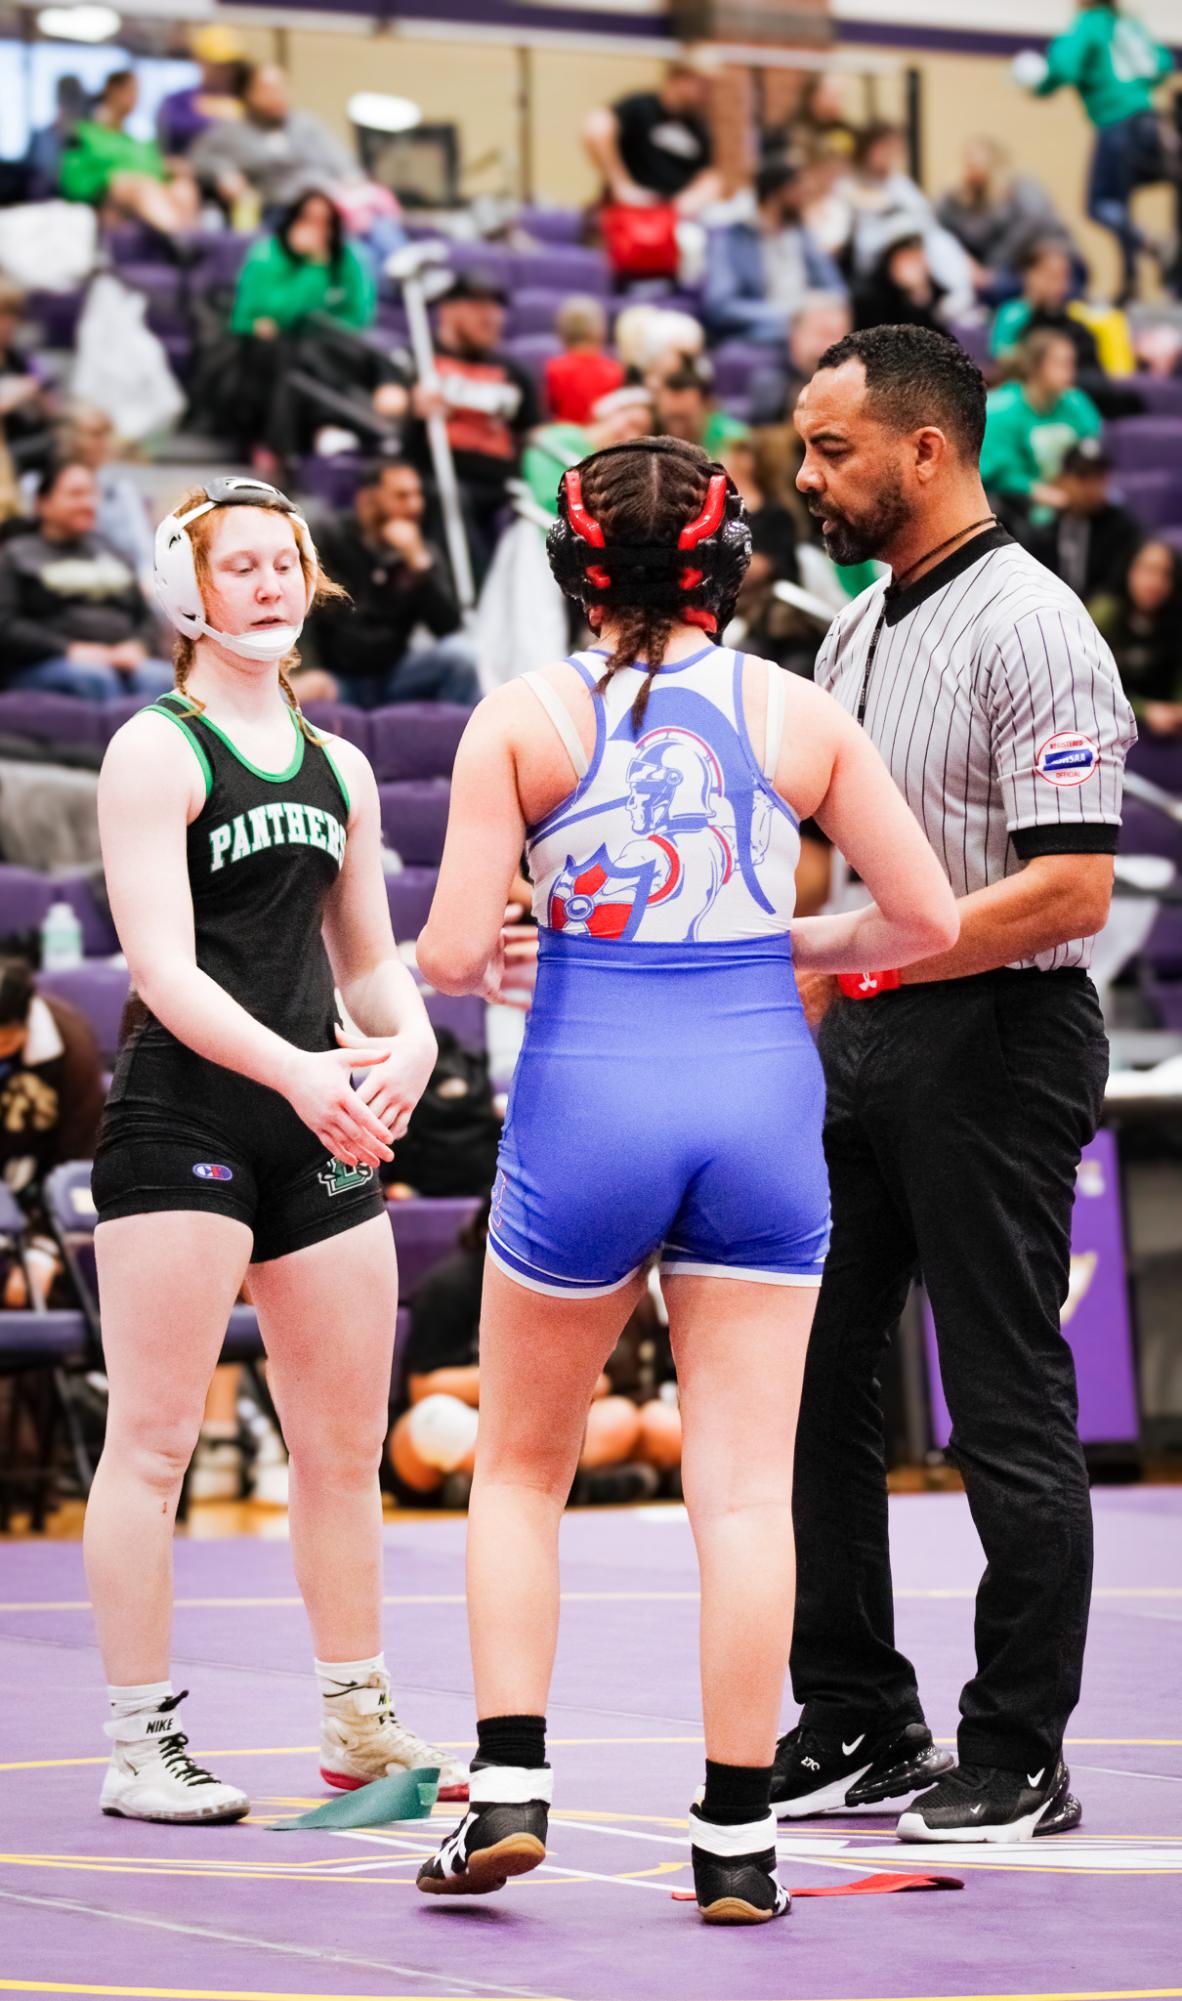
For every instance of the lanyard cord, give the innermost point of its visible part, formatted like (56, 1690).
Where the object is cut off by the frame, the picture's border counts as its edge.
(986, 521)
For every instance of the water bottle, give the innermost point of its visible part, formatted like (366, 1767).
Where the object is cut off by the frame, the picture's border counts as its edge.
(61, 939)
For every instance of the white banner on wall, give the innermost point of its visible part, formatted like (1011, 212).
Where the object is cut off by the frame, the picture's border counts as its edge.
(1036, 18)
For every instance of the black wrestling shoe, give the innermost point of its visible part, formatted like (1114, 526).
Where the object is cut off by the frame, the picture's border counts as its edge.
(735, 1871)
(502, 1834)
(984, 1803)
(815, 1772)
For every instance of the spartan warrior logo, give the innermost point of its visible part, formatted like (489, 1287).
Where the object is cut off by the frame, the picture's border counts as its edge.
(337, 1179)
(682, 855)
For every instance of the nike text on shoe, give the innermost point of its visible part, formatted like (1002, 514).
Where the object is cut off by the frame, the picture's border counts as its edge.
(502, 1834)
(152, 1777)
(361, 1739)
(984, 1803)
(735, 1871)
(818, 1773)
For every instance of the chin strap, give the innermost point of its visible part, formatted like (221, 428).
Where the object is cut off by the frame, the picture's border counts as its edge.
(274, 642)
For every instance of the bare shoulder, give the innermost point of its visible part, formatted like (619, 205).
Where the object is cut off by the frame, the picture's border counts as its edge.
(807, 708)
(154, 756)
(352, 766)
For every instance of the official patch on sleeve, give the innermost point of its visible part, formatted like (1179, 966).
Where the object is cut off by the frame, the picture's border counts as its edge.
(1067, 758)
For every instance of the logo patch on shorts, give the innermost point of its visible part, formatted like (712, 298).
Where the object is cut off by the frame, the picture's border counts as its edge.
(337, 1179)
(1067, 758)
(212, 1170)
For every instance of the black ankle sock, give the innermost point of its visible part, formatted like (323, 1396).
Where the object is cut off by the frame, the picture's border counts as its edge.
(512, 1740)
(735, 1793)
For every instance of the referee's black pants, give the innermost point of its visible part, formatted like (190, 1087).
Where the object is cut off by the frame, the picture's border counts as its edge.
(955, 1118)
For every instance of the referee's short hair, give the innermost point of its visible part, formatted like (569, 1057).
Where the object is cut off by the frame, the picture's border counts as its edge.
(915, 376)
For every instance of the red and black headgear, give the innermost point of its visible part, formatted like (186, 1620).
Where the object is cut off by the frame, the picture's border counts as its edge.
(695, 579)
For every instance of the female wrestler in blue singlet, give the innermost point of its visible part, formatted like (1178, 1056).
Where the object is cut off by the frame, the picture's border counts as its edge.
(668, 1099)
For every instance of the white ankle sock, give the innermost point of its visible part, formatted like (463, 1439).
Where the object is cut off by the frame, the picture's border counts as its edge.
(139, 1695)
(334, 1676)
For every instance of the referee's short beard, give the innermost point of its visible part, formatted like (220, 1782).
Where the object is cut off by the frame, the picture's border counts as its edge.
(857, 538)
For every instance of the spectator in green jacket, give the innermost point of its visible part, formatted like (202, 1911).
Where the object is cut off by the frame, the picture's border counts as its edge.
(1115, 64)
(103, 163)
(305, 267)
(1031, 425)
(617, 418)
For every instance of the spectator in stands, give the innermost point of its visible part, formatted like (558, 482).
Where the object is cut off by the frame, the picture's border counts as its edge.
(821, 319)
(1031, 424)
(487, 398)
(104, 165)
(683, 400)
(655, 146)
(270, 152)
(73, 618)
(87, 436)
(577, 378)
(820, 121)
(43, 160)
(1091, 540)
(1101, 339)
(552, 450)
(900, 290)
(25, 406)
(876, 197)
(773, 629)
(999, 215)
(626, 1442)
(397, 581)
(51, 1084)
(1142, 622)
(758, 271)
(1116, 66)
(305, 266)
(185, 114)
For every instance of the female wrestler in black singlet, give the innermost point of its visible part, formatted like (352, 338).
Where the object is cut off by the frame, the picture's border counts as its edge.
(243, 865)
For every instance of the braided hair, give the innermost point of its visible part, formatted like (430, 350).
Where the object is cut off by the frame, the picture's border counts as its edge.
(645, 498)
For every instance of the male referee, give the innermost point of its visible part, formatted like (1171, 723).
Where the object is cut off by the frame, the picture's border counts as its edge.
(960, 1093)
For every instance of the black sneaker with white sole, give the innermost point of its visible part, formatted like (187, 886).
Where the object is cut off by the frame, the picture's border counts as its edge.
(984, 1803)
(502, 1834)
(735, 1871)
(816, 1772)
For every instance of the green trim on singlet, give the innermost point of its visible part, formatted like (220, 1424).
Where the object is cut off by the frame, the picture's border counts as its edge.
(333, 767)
(268, 777)
(158, 709)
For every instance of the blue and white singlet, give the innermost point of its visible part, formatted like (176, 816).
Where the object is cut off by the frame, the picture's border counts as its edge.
(668, 1096)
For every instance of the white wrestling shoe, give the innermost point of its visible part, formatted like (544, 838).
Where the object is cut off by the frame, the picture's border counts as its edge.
(361, 1739)
(152, 1777)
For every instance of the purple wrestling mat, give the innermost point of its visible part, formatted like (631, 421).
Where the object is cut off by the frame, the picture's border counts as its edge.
(95, 1906)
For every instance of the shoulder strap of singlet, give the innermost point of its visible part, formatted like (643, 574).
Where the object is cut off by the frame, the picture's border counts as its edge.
(561, 718)
(774, 726)
(174, 706)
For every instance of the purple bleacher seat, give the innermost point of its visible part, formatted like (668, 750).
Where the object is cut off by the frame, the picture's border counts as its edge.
(57, 315)
(1145, 831)
(1159, 759)
(1173, 536)
(414, 819)
(332, 481)
(1161, 394)
(329, 717)
(973, 336)
(1163, 947)
(25, 897)
(415, 740)
(99, 937)
(533, 312)
(425, 1232)
(553, 225)
(1154, 497)
(223, 255)
(495, 259)
(1145, 444)
(533, 351)
(1166, 999)
(99, 992)
(56, 718)
(112, 715)
(734, 365)
(572, 269)
(464, 1014)
(49, 1340)
(409, 896)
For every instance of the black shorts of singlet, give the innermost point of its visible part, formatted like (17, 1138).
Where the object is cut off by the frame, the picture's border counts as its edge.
(179, 1132)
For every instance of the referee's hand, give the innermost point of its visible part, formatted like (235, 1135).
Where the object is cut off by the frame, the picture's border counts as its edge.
(817, 991)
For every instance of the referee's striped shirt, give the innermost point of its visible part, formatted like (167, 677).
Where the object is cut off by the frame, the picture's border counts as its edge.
(998, 708)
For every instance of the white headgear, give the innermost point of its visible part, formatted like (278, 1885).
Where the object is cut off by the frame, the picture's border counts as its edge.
(176, 571)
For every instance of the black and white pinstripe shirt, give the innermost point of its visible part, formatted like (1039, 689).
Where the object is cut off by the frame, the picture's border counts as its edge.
(998, 708)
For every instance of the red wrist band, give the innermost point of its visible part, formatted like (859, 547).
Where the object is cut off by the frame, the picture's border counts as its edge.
(868, 986)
